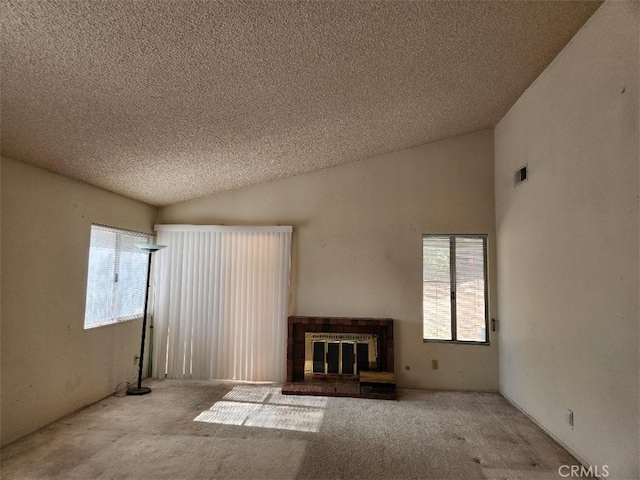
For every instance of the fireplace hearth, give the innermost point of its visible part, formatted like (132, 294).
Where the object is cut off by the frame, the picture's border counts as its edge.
(340, 356)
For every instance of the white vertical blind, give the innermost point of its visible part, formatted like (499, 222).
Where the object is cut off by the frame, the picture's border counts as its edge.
(221, 302)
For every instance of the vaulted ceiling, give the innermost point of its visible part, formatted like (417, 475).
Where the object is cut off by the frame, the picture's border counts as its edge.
(164, 101)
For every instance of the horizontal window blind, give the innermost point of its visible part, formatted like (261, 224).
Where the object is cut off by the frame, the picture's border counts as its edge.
(454, 288)
(436, 275)
(470, 289)
(116, 279)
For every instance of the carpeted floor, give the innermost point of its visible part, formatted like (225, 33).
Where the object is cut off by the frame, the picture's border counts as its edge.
(226, 430)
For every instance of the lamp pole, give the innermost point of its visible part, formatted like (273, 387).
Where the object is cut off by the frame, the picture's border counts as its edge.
(140, 390)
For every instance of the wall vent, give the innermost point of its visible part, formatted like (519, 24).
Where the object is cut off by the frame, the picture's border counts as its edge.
(521, 175)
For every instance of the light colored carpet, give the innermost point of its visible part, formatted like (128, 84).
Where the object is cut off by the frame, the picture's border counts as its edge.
(227, 430)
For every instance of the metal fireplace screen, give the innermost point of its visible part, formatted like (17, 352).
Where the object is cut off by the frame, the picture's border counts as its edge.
(339, 354)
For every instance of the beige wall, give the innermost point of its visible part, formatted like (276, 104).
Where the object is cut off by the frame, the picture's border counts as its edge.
(358, 238)
(568, 244)
(50, 365)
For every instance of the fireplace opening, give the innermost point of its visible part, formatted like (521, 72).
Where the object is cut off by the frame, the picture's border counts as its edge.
(339, 354)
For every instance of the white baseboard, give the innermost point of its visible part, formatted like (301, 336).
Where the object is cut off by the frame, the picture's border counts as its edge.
(555, 439)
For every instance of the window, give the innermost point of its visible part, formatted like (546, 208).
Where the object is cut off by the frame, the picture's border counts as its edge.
(116, 281)
(454, 285)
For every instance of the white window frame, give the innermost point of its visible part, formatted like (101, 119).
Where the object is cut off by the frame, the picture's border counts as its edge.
(454, 317)
(97, 281)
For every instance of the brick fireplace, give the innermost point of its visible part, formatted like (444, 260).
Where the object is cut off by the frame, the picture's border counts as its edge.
(377, 382)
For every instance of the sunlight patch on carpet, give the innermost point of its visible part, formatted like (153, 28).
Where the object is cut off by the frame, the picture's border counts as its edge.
(249, 393)
(266, 407)
(298, 400)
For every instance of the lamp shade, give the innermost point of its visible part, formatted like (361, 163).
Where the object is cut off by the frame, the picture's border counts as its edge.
(150, 247)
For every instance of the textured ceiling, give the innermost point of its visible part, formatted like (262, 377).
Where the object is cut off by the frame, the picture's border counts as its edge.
(164, 101)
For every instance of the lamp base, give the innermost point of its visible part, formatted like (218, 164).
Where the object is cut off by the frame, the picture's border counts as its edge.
(139, 391)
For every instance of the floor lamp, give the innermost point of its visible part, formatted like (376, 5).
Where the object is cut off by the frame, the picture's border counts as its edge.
(140, 390)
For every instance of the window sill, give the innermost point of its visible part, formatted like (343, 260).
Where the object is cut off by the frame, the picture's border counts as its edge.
(455, 342)
(117, 322)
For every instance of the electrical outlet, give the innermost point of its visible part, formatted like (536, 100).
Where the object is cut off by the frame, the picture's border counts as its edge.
(434, 364)
(568, 416)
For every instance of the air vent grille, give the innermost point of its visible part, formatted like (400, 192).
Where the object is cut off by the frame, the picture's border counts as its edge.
(521, 175)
